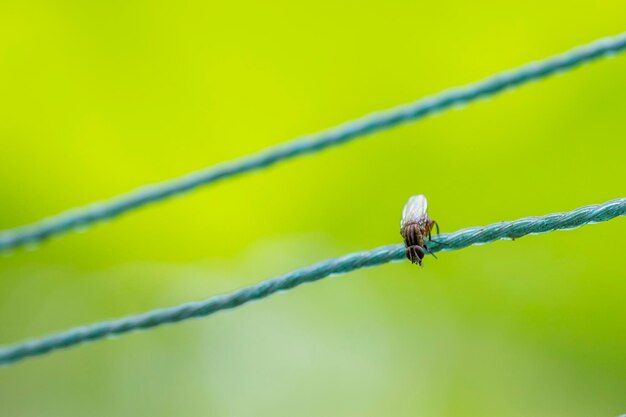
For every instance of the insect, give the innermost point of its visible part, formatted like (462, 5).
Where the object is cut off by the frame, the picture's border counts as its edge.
(415, 226)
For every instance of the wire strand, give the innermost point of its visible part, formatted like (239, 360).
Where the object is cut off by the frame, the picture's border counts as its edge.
(81, 217)
(384, 254)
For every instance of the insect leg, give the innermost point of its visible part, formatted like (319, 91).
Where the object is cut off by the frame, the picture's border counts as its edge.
(431, 252)
(416, 254)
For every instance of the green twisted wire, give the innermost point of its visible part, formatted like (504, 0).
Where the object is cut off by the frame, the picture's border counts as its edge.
(391, 253)
(82, 217)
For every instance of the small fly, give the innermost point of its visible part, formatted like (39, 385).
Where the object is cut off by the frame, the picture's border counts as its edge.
(415, 226)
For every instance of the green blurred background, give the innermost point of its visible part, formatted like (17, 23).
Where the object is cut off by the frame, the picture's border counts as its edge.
(99, 98)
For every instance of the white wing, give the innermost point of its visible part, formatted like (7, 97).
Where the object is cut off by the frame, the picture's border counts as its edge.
(415, 208)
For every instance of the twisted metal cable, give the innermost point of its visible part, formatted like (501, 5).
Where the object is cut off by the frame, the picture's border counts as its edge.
(391, 253)
(81, 217)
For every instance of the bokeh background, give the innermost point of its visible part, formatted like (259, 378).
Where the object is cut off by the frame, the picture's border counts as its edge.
(99, 98)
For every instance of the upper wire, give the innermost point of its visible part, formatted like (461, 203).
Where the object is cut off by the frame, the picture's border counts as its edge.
(82, 217)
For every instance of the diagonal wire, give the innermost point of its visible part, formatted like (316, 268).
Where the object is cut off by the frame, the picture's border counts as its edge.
(93, 213)
(384, 254)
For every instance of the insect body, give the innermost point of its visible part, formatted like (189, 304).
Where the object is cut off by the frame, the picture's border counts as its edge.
(415, 227)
